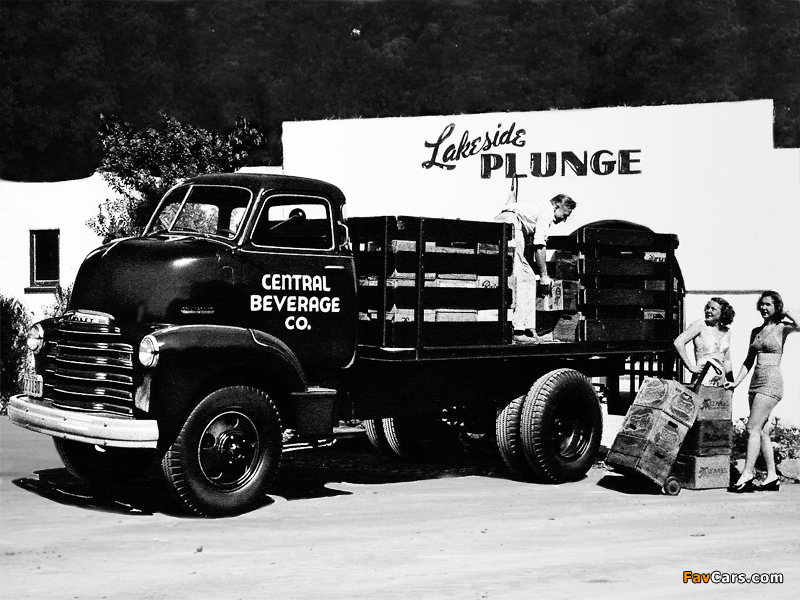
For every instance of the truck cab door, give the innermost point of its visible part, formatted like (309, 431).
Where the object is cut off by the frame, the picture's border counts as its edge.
(300, 279)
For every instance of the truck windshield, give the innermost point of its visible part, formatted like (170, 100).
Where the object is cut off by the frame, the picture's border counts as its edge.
(208, 209)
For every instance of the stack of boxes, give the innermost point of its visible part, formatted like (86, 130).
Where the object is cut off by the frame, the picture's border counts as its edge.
(654, 429)
(704, 459)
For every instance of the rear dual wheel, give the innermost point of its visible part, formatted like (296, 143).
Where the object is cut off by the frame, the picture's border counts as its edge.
(553, 433)
(413, 438)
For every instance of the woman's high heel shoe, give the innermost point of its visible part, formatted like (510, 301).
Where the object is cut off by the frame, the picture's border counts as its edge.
(744, 487)
(772, 486)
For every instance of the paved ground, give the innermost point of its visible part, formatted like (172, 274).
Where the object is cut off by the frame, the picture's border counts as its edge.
(345, 523)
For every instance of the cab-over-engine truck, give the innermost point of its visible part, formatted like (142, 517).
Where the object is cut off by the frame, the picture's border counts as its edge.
(251, 311)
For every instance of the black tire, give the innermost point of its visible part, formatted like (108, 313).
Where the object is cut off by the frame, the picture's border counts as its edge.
(509, 442)
(420, 438)
(226, 454)
(672, 486)
(377, 437)
(561, 426)
(104, 466)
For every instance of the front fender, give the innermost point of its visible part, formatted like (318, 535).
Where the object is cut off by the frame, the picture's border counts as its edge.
(194, 360)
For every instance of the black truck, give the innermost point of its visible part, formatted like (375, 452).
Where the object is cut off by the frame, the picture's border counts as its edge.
(251, 313)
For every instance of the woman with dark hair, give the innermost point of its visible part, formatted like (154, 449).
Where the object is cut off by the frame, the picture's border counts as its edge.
(711, 337)
(766, 387)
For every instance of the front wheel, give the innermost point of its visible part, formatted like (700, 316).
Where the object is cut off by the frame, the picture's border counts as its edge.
(98, 465)
(561, 426)
(227, 453)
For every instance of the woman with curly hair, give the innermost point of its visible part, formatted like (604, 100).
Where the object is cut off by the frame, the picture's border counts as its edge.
(711, 337)
(766, 387)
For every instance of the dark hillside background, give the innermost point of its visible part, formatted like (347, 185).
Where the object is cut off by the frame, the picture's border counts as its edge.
(63, 63)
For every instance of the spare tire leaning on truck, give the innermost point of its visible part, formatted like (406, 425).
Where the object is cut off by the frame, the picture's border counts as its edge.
(561, 426)
(553, 433)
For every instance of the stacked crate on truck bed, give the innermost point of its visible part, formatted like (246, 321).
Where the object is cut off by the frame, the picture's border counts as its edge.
(443, 282)
(432, 282)
(629, 281)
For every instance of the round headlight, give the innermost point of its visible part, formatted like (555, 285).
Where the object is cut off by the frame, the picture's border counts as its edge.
(148, 351)
(35, 339)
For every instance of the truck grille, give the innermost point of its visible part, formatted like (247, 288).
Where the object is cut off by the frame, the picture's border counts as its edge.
(90, 369)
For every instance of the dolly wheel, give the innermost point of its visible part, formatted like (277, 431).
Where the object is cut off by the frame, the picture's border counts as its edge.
(672, 486)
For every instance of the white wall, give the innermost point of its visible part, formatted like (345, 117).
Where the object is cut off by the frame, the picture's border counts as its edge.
(66, 206)
(709, 172)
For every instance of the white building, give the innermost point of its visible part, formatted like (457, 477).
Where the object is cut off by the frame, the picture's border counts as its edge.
(45, 237)
(707, 172)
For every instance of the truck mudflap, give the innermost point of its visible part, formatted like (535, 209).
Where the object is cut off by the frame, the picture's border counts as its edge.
(39, 415)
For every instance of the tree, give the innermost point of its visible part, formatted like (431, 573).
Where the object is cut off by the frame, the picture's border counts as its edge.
(14, 324)
(142, 165)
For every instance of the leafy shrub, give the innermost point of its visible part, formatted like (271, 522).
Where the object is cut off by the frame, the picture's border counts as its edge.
(14, 324)
(785, 440)
(60, 303)
(142, 165)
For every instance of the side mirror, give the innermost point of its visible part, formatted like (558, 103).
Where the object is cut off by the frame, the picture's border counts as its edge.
(344, 236)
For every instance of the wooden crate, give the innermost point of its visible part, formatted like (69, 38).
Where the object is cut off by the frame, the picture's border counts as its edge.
(716, 404)
(562, 295)
(653, 425)
(566, 330)
(703, 472)
(709, 438)
(653, 463)
(637, 446)
(672, 397)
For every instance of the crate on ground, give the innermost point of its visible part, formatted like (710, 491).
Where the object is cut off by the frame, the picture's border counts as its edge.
(709, 438)
(703, 472)
(716, 404)
(654, 463)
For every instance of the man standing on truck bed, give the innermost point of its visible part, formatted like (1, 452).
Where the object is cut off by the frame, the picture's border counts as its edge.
(532, 222)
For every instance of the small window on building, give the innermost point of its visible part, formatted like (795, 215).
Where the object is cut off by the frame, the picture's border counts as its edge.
(45, 259)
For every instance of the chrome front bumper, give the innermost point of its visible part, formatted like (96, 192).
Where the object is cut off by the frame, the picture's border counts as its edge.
(38, 415)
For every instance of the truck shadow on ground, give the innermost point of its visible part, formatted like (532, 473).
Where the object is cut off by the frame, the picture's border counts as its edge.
(304, 474)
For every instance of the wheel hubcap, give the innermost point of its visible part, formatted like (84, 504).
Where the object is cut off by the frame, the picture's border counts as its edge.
(229, 450)
(571, 435)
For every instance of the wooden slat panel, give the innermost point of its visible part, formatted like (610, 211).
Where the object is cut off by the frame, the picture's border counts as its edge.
(433, 297)
(629, 237)
(609, 330)
(643, 298)
(404, 335)
(622, 267)
(371, 263)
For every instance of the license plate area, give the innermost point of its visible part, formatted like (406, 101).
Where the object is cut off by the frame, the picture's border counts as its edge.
(32, 385)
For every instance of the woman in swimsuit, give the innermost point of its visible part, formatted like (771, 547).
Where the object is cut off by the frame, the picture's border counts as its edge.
(711, 337)
(766, 387)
